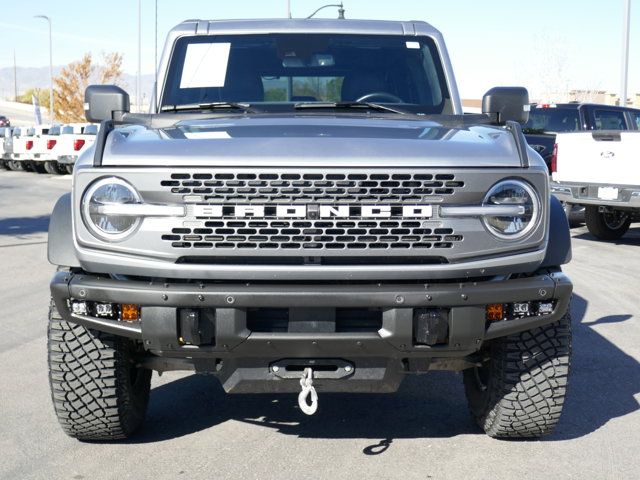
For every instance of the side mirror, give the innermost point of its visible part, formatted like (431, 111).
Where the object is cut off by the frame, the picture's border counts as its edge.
(505, 104)
(105, 102)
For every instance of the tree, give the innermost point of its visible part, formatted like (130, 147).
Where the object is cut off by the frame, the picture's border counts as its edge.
(41, 94)
(70, 85)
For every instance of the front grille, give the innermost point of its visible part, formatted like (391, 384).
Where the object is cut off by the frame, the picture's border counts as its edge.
(354, 233)
(239, 188)
(308, 235)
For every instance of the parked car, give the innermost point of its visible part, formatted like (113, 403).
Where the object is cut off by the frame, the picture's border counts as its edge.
(11, 137)
(43, 153)
(4, 133)
(339, 235)
(72, 140)
(601, 171)
(23, 147)
(548, 119)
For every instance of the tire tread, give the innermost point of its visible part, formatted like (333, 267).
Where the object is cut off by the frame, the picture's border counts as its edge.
(90, 386)
(528, 380)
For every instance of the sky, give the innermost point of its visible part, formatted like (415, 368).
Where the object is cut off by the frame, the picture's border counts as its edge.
(544, 45)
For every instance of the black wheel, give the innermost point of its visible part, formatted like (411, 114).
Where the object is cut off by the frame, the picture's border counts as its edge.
(38, 167)
(520, 389)
(15, 165)
(28, 166)
(98, 392)
(51, 168)
(69, 168)
(606, 225)
(4, 164)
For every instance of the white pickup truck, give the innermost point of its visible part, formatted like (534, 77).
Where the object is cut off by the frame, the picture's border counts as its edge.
(73, 139)
(600, 170)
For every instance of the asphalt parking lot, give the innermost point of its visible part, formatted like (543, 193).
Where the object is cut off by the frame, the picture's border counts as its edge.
(194, 430)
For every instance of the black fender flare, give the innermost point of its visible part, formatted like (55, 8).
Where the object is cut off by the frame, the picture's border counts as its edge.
(559, 245)
(60, 249)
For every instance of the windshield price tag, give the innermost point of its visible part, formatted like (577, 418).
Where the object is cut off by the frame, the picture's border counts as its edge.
(205, 65)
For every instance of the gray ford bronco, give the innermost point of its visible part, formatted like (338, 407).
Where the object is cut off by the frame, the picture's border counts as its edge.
(307, 209)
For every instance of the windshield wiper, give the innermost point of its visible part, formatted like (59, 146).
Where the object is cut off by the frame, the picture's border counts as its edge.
(366, 105)
(245, 107)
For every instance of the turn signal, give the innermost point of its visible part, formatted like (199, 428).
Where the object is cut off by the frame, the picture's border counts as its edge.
(495, 312)
(129, 312)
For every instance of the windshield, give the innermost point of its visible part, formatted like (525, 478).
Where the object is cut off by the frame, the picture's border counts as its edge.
(552, 119)
(289, 69)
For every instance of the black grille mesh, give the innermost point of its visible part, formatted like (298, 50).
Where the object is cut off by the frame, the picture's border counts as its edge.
(313, 235)
(327, 188)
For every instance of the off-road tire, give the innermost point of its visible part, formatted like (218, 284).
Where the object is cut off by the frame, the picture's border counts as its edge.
(68, 168)
(600, 228)
(520, 390)
(51, 168)
(98, 393)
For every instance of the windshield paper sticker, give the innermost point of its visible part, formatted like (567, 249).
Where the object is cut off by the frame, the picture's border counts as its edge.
(205, 65)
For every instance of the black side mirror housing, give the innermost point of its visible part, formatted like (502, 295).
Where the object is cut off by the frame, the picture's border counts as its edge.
(504, 104)
(105, 102)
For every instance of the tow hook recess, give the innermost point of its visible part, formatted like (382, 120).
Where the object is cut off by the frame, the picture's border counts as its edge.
(306, 382)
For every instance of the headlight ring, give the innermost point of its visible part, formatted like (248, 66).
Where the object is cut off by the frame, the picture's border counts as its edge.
(512, 192)
(105, 192)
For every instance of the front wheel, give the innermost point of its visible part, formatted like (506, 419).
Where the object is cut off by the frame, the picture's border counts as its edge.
(519, 390)
(98, 391)
(606, 225)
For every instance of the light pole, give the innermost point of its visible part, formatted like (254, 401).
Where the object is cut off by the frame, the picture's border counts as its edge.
(51, 114)
(625, 53)
(138, 83)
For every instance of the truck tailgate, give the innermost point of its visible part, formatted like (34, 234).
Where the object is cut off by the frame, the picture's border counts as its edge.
(601, 157)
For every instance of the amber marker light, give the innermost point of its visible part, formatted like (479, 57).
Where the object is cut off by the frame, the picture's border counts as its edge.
(495, 312)
(129, 312)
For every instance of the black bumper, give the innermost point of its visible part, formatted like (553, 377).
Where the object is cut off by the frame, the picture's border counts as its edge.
(242, 357)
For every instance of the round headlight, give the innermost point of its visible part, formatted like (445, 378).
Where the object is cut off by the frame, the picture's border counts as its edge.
(98, 211)
(518, 194)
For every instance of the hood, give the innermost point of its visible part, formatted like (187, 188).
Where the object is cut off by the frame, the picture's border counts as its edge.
(326, 141)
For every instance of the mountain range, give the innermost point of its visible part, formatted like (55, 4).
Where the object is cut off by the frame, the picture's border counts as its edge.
(38, 77)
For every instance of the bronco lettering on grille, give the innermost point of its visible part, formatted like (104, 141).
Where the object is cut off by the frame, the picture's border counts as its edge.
(305, 211)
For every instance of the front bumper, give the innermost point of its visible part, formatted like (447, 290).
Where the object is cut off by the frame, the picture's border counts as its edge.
(587, 194)
(242, 357)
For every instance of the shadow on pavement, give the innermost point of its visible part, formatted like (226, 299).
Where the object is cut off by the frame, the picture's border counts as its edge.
(603, 383)
(632, 237)
(16, 227)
